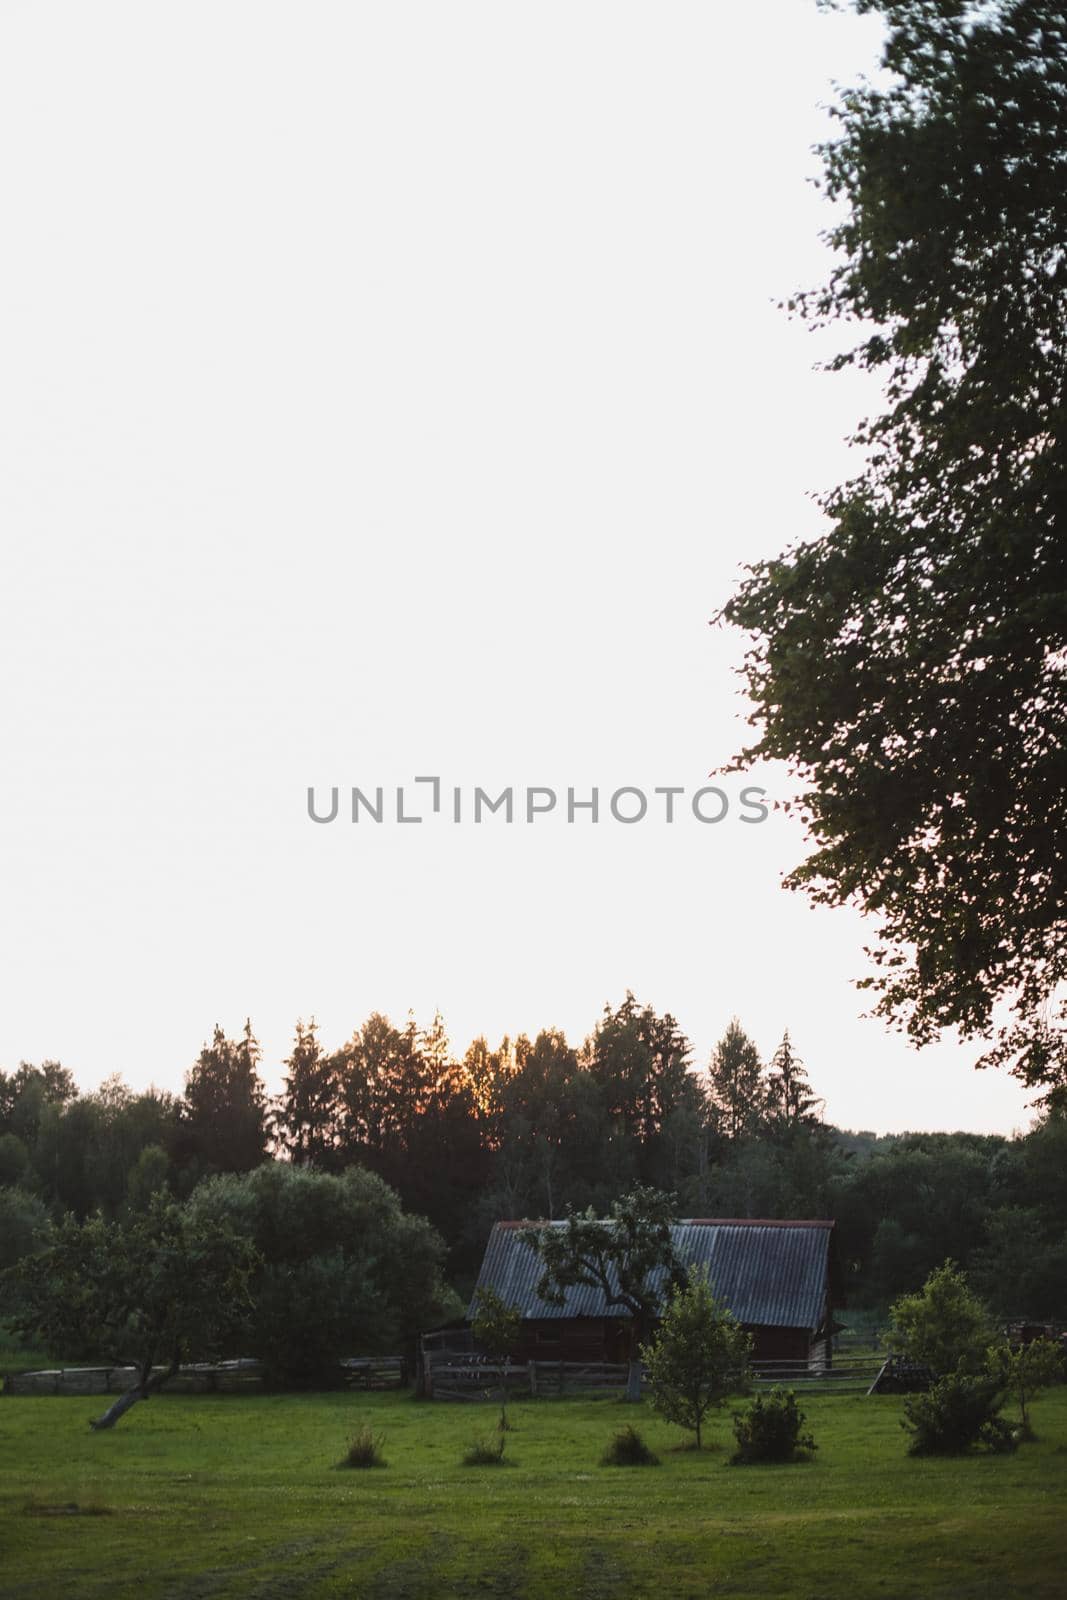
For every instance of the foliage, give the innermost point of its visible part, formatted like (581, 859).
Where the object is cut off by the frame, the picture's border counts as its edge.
(365, 1449)
(496, 1324)
(149, 1175)
(224, 1107)
(523, 1130)
(945, 1326)
(24, 1228)
(736, 1089)
(306, 1119)
(343, 1269)
(789, 1098)
(698, 1356)
(909, 664)
(1024, 1371)
(641, 1061)
(958, 1413)
(160, 1288)
(769, 1429)
(629, 1256)
(628, 1449)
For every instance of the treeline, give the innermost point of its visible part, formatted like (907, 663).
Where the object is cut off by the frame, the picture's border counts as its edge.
(529, 1128)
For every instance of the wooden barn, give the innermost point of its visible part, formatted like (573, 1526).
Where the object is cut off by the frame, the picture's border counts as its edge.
(779, 1279)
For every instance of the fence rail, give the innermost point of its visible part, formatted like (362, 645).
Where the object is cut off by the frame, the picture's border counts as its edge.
(224, 1377)
(465, 1379)
(375, 1372)
(844, 1372)
(221, 1377)
(459, 1376)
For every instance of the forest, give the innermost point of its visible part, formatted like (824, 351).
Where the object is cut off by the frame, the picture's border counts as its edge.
(533, 1128)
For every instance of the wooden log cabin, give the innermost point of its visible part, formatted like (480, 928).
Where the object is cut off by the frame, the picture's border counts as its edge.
(780, 1280)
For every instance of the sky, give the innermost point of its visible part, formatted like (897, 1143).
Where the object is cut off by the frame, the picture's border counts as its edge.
(394, 391)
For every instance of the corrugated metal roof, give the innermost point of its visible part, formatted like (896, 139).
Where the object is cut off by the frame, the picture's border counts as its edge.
(770, 1274)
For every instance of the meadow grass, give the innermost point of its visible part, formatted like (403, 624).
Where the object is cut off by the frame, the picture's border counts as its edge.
(213, 1497)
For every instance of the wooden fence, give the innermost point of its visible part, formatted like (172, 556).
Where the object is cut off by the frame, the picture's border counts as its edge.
(844, 1373)
(375, 1372)
(461, 1376)
(222, 1377)
(465, 1378)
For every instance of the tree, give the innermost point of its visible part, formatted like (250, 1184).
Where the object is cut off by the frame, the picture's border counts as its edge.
(25, 1093)
(1024, 1371)
(342, 1269)
(149, 1292)
(910, 663)
(149, 1175)
(698, 1357)
(225, 1107)
(308, 1111)
(735, 1082)
(496, 1324)
(24, 1228)
(629, 1257)
(641, 1062)
(789, 1100)
(945, 1326)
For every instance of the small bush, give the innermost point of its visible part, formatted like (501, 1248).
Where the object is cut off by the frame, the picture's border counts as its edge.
(628, 1449)
(485, 1453)
(769, 1430)
(365, 1450)
(958, 1414)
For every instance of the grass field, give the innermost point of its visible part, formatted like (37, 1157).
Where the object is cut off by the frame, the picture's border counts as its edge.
(216, 1497)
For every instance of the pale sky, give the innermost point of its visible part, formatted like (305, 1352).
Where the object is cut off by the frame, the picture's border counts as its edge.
(397, 389)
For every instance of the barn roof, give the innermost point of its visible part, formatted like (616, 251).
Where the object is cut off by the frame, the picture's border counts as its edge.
(770, 1273)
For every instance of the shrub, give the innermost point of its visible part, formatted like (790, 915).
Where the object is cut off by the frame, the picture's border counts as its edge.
(628, 1449)
(365, 1450)
(959, 1413)
(769, 1430)
(945, 1326)
(485, 1453)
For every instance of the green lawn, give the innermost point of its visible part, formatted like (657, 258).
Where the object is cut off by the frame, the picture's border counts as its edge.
(197, 1498)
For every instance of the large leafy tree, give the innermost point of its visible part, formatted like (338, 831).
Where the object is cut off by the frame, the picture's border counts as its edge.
(150, 1292)
(629, 1256)
(342, 1271)
(910, 663)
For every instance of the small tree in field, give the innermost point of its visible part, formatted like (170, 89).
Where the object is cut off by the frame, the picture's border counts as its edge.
(698, 1357)
(945, 1326)
(1024, 1372)
(149, 1293)
(497, 1326)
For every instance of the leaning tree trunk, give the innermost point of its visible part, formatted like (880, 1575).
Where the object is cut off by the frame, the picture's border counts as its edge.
(149, 1384)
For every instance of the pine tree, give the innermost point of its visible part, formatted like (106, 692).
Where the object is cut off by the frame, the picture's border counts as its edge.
(224, 1106)
(307, 1115)
(789, 1097)
(735, 1083)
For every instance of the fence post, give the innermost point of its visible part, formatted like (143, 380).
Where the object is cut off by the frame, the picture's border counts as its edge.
(531, 1368)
